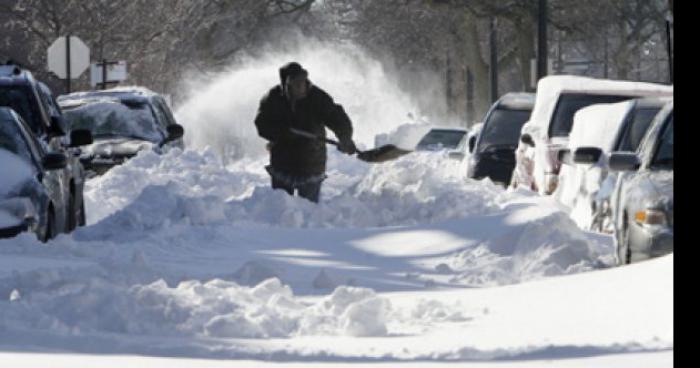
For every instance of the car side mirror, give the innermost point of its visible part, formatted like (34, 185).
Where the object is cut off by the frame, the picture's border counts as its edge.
(80, 137)
(527, 139)
(564, 156)
(57, 127)
(587, 155)
(175, 131)
(472, 144)
(54, 161)
(456, 155)
(623, 161)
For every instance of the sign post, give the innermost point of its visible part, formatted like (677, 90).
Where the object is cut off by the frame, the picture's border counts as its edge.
(104, 72)
(68, 57)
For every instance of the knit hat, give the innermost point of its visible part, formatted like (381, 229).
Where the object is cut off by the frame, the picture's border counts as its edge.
(292, 69)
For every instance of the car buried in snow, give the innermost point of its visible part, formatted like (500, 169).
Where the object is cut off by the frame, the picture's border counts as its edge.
(642, 202)
(123, 122)
(33, 101)
(31, 193)
(492, 152)
(585, 180)
(443, 139)
(546, 132)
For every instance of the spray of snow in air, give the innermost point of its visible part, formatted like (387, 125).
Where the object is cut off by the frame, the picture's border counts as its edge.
(220, 109)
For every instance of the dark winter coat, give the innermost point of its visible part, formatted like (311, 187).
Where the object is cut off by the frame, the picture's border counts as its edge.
(292, 154)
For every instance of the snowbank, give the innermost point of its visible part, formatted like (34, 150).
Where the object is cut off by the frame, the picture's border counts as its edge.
(418, 188)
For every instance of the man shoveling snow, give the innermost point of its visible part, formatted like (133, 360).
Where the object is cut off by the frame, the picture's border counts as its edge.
(298, 163)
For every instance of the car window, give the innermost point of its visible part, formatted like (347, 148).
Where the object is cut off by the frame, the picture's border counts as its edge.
(569, 104)
(19, 98)
(663, 159)
(11, 139)
(502, 128)
(162, 118)
(441, 138)
(48, 101)
(635, 128)
(115, 118)
(166, 110)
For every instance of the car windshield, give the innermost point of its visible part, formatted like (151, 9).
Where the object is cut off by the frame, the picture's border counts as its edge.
(112, 118)
(664, 153)
(11, 140)
(635, 129)
(569, 104)
(441, 139)
(19, 99)
(503, 128)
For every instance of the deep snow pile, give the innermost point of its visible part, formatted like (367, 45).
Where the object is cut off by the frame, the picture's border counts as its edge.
(197, 188)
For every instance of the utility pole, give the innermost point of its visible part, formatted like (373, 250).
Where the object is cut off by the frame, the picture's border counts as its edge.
(493, 65)
(542, 39)
(470, 98)
(669, 41)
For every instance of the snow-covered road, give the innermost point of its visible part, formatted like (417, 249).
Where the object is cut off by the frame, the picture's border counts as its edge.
(187, 257)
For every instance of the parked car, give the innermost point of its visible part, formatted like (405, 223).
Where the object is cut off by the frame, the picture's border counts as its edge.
(123, 122)
(31, 192)
(492, 152)
(34, 102)
(547, 130)
(585, 181)
(442, 139)
(642, 203)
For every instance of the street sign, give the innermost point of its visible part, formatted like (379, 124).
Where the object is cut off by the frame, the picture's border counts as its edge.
(61, 61)
(116, 72)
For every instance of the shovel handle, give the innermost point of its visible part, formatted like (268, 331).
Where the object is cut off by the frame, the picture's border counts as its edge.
(306, 134)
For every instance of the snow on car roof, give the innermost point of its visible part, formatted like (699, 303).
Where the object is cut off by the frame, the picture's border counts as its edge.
(598, 125)
(117, 91)
(518, 100)
(549, 88)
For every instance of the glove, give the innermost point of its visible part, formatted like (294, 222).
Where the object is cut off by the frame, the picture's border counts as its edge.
(347, 146)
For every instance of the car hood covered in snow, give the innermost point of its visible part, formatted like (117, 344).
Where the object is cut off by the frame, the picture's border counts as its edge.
(116, 147)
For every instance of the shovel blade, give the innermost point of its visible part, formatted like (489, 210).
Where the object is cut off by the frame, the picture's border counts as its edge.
(384, 153)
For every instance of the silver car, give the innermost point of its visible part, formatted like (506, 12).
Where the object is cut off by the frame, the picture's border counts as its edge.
(642, 203)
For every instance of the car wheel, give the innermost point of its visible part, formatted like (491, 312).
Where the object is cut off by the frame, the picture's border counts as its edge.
(624, 253)
(50, 230)
(81, 215)
(71, 213)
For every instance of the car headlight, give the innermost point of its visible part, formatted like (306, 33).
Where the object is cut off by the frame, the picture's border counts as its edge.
(650, 217)
(20, 208)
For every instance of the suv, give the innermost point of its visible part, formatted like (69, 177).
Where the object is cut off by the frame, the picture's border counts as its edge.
(33, 101)
(585, 180)
(642, 202)
(492, 153)
(123, 121)
(547, 131)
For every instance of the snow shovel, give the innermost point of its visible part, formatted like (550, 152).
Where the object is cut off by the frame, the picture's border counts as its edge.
(383, 153)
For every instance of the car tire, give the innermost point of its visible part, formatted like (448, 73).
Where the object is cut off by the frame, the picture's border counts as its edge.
(50, 231)
(81, 216)
(71, 214)
(624, 252)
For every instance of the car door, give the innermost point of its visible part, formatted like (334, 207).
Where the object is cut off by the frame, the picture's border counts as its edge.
(52, 180)
(73, 172)
(168, 118)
